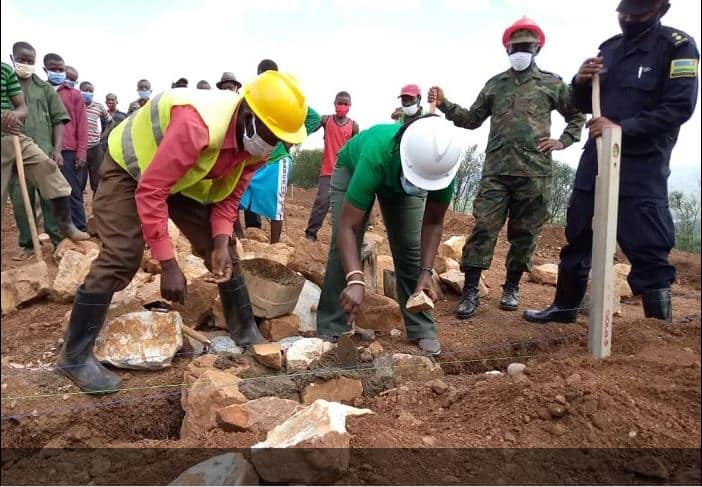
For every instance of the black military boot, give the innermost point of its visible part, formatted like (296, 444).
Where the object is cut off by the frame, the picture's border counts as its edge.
(569, 295)
(76, 360)
(657, 304)
(510, 291)
(470, 299)
(62, 214)
(238, 312)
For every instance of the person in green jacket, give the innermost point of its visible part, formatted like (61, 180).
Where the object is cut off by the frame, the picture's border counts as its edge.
(410, 169)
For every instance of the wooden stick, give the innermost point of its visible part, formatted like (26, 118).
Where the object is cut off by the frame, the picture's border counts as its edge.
(432, 107)
(604, 239)
(196, 335)
(25, 198)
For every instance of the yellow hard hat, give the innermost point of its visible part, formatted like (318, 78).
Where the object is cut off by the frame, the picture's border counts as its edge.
(278, 101)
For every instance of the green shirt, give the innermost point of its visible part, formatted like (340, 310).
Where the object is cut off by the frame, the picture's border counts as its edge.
(312, 121)
(44, 110)
(373, 157)
(10, 87)
(519, 105)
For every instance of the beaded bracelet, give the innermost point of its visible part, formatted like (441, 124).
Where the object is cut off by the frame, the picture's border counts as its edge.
(428, 269)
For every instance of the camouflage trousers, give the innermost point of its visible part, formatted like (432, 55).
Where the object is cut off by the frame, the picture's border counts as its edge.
(521, 199)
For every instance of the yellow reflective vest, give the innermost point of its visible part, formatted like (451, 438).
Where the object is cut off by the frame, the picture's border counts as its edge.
(133, 143)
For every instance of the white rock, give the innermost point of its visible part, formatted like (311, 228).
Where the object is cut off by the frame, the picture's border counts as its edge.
(287, 342)
(227, 469)
(314, 440)
(515, 369)
(493, 373)
(306, 303)
(141, 340)
(303, 352)
(225, 345)
(72, 269)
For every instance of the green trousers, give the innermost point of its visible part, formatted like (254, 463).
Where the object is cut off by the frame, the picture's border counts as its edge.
(403, 221)
(525, 200)
(25, 235)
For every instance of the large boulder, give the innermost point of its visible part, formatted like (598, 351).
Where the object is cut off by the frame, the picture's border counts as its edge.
(140, 340)
(258, 415)
(227, 469)
(23, 284)
(212, 391)
(84, 247)
(444, 264)
(72, 269)
(193, 267)
(144, 288)
(310, 447)
(379, 313)
(198, 304)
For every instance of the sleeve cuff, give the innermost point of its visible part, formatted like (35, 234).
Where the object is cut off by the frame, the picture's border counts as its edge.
(161, 249)
(445, 106)
(221, 227)
(566, 140)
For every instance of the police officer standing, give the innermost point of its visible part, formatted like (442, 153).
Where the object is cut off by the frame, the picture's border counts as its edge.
(517, 174)
(648, 77)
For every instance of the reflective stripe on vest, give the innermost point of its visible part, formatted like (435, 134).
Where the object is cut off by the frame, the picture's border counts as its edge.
(133, 143)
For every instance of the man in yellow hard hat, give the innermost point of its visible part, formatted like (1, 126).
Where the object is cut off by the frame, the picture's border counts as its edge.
(187, 155)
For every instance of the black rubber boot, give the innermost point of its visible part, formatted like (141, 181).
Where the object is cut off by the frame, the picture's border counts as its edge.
(238, 312)
(62, 214)
(657, 304)
(470, 299)
(569, 295)
(510, 291)
(76, 360)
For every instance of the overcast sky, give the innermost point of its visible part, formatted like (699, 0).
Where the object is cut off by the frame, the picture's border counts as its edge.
(367, 47)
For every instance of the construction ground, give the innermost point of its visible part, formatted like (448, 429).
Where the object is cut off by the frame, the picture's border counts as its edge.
(645, 396)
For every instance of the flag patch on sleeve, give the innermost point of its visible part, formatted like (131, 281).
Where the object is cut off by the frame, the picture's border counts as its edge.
(683, 68)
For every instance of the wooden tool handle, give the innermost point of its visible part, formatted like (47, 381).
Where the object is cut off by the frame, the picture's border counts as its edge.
(196, 335)
(25, 198)
(432, 107)
(596, 109)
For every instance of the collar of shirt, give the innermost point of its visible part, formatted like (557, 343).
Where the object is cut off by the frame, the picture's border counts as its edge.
(521, 76)
(645, 42)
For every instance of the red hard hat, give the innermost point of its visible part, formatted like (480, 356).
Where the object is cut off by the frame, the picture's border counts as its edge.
(524, 23)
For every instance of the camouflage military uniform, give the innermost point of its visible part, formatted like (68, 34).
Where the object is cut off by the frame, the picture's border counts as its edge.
(516, 179)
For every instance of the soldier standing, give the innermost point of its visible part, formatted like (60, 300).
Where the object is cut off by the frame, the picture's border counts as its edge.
(648, 76)
(517, 174)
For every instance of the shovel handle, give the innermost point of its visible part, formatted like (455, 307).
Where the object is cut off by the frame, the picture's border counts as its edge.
(596, 109)
(432, 107)
(25, 198)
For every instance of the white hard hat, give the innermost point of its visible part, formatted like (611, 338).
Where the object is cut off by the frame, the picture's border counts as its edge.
(430, 151)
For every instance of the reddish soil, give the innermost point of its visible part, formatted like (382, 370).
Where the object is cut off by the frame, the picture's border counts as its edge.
(646, 395)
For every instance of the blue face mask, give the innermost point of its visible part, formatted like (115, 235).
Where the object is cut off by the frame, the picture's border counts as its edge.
(55, 78)
(87, 96)
(70, 83)
(411, 189)
(144, 94)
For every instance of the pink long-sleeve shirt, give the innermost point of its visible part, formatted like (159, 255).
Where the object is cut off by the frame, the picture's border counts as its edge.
(184, 139)
(75, 132)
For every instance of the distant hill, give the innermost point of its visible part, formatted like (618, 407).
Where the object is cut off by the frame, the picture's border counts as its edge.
(685, 179)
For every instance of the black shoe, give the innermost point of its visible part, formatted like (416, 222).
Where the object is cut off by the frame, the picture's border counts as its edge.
(76, 360)
(238, 313)
(510, 297)
(657, 304)
(471, 298)
(569, 296)
(62, 214)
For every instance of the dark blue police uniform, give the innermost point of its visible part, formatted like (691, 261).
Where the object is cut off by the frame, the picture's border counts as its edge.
(649, 87)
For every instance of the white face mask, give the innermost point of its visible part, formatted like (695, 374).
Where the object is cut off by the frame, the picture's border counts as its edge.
(24, 70)
(255, 145)
(520, 60)
(410, 110)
